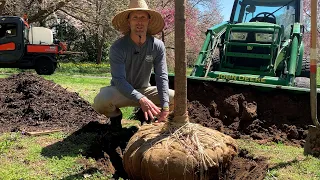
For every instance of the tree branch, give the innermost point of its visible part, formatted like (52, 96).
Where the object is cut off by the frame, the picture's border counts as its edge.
(42, 14)
(2, 5)
(79, 18)
(30, 3)
(77, 9)
(309, 15)
(194, 5)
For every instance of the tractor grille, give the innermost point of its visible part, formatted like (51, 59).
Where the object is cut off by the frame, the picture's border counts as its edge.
(249, 62)
(255, 50)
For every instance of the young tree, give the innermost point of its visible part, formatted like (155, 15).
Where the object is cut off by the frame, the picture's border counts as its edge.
(307, 24)
(95, 17)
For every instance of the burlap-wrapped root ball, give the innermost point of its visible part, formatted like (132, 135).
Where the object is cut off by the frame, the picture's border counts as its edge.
(168, 151)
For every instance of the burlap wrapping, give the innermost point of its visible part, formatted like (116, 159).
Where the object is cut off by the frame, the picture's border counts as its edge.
(189, 152)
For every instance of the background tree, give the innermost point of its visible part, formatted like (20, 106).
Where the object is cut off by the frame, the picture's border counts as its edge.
(95, 17)
(200, 15)
(307, 24)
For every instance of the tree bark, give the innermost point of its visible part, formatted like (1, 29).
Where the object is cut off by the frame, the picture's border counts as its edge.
(101, 45)
(2, 5)
(180, 82)
(99, 56)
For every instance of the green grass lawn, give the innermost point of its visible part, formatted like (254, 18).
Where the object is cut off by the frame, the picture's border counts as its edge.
(22, 157)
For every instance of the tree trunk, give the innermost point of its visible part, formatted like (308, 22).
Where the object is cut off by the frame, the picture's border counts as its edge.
(180, 82)
(2, 5)
(99, 48)
(99, 56)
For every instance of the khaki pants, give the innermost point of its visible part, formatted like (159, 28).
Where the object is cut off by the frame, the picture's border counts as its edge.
(109, 100)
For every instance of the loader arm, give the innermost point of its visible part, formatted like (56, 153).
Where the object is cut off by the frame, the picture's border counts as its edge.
(295, 46)
(212, 36)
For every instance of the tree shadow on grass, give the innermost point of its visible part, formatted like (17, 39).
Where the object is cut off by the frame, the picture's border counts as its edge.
(97, 141)
(285, 164)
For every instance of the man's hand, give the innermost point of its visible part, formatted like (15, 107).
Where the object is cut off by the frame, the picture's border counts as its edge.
(163, 116)
(149, 108)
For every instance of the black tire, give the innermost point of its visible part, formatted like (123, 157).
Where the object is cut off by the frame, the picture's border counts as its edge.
(215, 64)
(305, 68)
(45, 66)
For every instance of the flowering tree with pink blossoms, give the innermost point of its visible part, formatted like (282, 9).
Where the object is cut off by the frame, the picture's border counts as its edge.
(200, 15)
(306, 22)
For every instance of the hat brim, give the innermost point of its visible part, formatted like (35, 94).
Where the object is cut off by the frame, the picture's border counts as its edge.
(120, 21)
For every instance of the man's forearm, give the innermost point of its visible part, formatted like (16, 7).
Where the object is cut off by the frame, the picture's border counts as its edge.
(163, 89)
(161, 75)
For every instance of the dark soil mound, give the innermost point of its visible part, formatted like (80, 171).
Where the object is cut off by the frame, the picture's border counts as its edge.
(244, 112)
(30, 103)
(265, 115)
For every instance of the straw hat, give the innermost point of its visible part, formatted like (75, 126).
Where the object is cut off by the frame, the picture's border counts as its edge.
(120, 21)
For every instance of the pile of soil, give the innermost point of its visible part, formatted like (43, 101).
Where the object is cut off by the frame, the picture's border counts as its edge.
(30, 103)
(249, 113)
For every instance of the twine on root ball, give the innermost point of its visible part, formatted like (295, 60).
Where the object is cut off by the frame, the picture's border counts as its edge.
(172, 151)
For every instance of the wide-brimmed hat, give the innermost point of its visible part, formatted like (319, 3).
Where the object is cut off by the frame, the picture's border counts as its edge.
(120, 21)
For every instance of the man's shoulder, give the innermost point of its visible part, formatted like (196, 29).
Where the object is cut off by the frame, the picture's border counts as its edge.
(158, 43)
(119, 42)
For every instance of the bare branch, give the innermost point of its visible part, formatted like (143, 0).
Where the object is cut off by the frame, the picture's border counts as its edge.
(2, 5)
(197, 2)
(30, 3)
(79, 18)
(42, 14)
(77, 9)
(309, 15)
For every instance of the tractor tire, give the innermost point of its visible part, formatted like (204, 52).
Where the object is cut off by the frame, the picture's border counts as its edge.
(45, 66)
(305, 68)
(215, 64)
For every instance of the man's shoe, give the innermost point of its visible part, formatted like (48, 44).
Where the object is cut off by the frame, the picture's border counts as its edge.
(116, 121)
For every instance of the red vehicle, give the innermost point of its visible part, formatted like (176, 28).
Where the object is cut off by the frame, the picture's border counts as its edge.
(25, 47)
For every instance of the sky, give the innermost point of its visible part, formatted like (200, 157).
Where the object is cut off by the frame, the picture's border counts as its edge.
(227, 7)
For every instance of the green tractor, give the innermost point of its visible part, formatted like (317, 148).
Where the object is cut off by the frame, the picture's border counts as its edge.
(257, 55)
(261, 45)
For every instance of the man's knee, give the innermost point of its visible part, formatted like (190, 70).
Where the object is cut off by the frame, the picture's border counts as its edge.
(102, 103)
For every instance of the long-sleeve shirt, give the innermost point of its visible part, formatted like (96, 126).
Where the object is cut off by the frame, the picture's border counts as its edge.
(131, 67)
